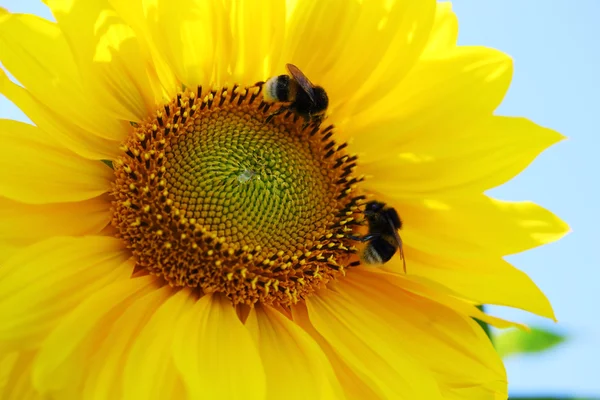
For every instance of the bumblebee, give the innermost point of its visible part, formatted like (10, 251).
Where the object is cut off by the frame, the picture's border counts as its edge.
(382, 239)
(305, 99)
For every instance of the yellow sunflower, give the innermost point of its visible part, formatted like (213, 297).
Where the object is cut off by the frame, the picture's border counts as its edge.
(161, 239)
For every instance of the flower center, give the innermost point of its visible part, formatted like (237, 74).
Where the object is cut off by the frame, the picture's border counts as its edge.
(209, 195)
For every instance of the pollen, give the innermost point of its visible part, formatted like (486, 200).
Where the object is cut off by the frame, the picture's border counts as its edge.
(209, 195)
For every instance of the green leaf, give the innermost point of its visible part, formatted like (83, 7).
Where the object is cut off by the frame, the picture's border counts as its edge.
(517, 341)
(109, 163)
(484, 326)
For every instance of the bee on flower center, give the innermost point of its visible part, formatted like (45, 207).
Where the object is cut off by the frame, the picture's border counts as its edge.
(383, 240)
(305, 99)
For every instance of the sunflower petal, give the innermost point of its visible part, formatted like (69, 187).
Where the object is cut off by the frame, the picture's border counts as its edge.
(7, 249)
(42, 282)
(152, 375)
(304, 45)
(444, 33)
(485, 281)
(105, 375)
(37, 54)
(215, 353)
(356, 386)
(25, 223)
(458, 87)
(184, 35)
(370, 346)
(442, 295)
(44, 173)
(398, 31)
(408, 25)
(108, 55)
(480, 157)
(61, 362)
(451, 346)
(477, 226)
(144, 26)
(258, 34)
(310, 376)
(8, 359)
(18, 380)
(69, 135)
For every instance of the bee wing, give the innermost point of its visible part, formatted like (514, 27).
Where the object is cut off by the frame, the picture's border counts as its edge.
(399, 241)
(302, 80)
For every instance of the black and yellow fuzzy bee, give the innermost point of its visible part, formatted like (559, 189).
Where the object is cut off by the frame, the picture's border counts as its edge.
(305, 99)
(382, 239)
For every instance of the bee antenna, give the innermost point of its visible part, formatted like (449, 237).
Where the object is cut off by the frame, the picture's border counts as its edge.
(403, 259)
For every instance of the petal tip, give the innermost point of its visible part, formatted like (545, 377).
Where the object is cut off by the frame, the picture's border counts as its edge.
(550, 314)
(564, 228)
(555, 136)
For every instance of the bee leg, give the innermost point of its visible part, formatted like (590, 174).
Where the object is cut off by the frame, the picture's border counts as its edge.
(317, 120)
(276, 113)
(307, 121)
(365, 238)
(310, 120)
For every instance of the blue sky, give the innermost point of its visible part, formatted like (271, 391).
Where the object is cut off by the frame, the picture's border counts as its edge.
(556, 84)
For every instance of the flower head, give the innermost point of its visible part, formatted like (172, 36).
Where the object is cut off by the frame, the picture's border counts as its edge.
(169, 231)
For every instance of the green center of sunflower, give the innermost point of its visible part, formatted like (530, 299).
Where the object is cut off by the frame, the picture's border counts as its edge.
(208, 195)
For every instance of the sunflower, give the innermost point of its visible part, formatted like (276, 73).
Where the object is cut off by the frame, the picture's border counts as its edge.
(163, 238)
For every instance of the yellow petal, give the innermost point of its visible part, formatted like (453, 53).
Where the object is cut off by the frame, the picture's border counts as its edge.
(407, 27)
(369, 41)
(454, 89)
(304, 45)
(60, 129)
(104, 378)
(152, 374)
(370, 345)
(477, 226)
(444, 33)
(25, 223)
(43, 282)
(44, 173)
(206, 45)
(258, 32)
(63, 359)
(307, 375)
(356, 386)
(485, 281)
(215, 353)
(8, 359)
(7, 250)
(108, 55)
(37, 54)
(18, 380)
(191, 37)
(144, 26)
(452, 347)
(473, 160)
(440, 294)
